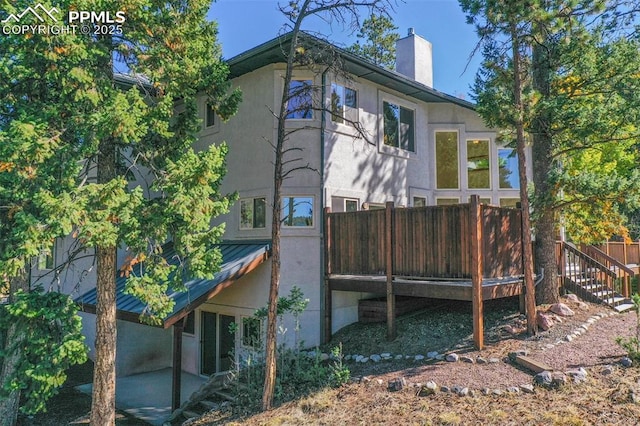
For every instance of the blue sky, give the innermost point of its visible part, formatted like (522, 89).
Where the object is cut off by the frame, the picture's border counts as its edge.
(244, 24)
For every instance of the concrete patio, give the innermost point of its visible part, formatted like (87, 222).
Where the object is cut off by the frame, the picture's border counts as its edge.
(147, 396)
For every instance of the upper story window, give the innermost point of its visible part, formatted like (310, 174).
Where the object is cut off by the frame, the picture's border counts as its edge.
(478, 172)
(253, 213)
(297, 211)
(399, 128)
(447, 160)
(342, 204)
(46, 258)
(508, 168)
(300, 102)
(210, 116)
(344, 104)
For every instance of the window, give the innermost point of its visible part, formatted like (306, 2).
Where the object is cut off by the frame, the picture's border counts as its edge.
(447, 160)
(447, 201)
(419, 201)
(398, 126)
(253, 213)
(190, 323)
(350, 205)
(483, 200)
(300, 102)
(508, 168)
(344, 104)
(210, 116)
(342, 204)
(251, 332)
(478, 175)
(509, 202)
(297, 211)
(46, 258)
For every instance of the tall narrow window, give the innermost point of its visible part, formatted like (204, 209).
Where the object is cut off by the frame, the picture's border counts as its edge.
(210, 119)
(508, 168)
(252, 213)
(46, 259)
(478, 174)
(344, 104)
(447, 160)
(297, 211)
(398, 126)
(300, 102)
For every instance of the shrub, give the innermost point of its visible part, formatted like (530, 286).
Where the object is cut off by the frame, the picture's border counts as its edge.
(632, 344)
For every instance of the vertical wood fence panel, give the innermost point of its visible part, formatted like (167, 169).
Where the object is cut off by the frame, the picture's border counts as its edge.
(430, 242)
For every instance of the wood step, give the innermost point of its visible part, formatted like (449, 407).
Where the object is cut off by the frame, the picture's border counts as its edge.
(225, 395)
(532, 364)
(190, 414)
(209, 405)
(624, 307)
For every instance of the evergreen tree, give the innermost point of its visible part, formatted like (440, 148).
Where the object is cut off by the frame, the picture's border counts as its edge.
(379, 37)
(72, 133)
(581, 93)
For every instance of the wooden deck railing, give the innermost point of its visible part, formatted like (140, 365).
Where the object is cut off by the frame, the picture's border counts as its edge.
(587, 276)
(433, 242)
(625, 253)
(623, 273)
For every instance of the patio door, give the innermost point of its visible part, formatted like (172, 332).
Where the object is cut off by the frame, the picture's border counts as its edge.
(216, 343)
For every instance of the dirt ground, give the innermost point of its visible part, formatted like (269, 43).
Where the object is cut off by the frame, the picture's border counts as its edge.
(606, 398)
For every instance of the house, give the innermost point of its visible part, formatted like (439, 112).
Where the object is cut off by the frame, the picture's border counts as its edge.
(422, 147)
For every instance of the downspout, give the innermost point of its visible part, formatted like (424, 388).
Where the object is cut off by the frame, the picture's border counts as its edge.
(323, 120)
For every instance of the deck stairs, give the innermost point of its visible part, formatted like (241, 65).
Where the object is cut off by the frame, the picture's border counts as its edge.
(215, 394)
(596, 277)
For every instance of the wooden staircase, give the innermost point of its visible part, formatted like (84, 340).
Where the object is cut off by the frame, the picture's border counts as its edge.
(595, 276)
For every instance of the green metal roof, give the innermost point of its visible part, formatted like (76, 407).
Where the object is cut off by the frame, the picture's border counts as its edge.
(238, 259)
(273, 51)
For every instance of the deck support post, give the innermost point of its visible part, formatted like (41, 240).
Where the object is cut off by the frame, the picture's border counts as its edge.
(391, 298)
(477, 272)
(326, 328)
(176, 382)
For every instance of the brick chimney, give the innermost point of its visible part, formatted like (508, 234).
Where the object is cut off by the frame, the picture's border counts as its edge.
(414, 58)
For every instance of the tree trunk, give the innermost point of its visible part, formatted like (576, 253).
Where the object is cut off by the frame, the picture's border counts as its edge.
(527, 249)
(103, 397)
(13, 341)
(543, 164)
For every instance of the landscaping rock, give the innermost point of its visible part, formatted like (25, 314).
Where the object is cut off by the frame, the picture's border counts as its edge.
(485, 391)
(572, 298)
(419, 357)
(527, 388)
(543, 379)
(432, 354)
(497, 392)
(513, 389)
(626, 362)
(467, 359)
(544, 321)
(494, 360)
(385, 355)
(375, 358)
(452, 357)
(568, 338)
(444, 389)
(562, 310)
(607, 370)
(480, 360)
(399, 357)
(579, 375)
(429, 388)
(397, 384)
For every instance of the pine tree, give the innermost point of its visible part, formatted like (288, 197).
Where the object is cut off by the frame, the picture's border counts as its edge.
(379, 37)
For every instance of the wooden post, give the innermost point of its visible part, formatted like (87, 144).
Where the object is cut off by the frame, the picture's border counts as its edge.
(176, 383)
(476, 272)
(326, 334)
(391, 299)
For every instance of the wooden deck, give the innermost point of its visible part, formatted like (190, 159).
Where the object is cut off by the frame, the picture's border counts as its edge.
(451, 289)
(464, 252)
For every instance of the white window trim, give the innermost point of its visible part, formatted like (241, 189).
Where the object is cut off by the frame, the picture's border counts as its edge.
(204, 129)
(435, 157)
(490, 158)
(313, 211)
(357, 201)
(343, 127)
(498, 148)
(447, 198)
(392, 150)
(240, 228)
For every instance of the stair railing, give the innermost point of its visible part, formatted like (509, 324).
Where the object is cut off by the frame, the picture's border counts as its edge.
(623, 273)
(589, 278)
